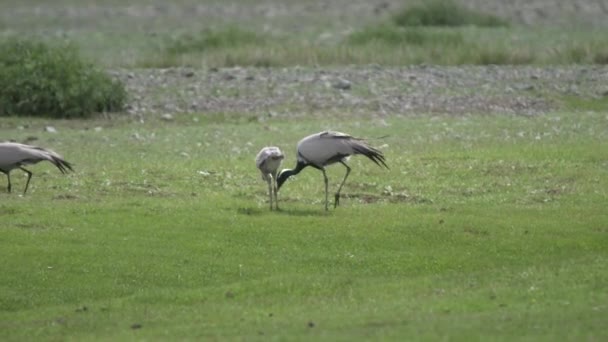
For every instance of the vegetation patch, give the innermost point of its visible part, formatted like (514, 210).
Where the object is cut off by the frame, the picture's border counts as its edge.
(211, 39)
(388, 34)
(38, 79)
(587, 104)
(445, 13)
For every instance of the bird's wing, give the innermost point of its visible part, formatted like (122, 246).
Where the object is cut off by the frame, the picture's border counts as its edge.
(16, 154)
(325, 148)
(330, 147)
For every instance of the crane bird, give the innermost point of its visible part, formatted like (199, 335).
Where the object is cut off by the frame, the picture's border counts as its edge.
(15, 155)
(268, 162)
(326, 148)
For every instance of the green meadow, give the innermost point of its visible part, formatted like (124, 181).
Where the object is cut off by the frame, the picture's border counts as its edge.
(485, 227)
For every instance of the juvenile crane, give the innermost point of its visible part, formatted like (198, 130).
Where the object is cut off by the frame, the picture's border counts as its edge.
(15, 155)
(268, 161)
(326, 148)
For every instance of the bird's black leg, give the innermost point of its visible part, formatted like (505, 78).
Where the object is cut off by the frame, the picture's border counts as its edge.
(337, 197)
(269, 180)
(326, 187)
(274, 188)
(8, 176)
(29, 176)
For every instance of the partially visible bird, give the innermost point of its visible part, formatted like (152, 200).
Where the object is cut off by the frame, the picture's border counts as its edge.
(269, 161)
(15, 155)
(326, 148)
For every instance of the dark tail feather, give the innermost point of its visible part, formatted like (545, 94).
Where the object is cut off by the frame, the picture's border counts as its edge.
(373, 154)
(62, 165)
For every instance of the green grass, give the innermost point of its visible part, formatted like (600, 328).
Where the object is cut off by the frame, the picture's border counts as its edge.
(391, 45)
(485, 227)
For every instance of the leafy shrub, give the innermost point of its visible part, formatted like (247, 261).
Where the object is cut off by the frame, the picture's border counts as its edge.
(230, 37)
(601, 57)
(444, 13)
(53, 81)
(396, 36)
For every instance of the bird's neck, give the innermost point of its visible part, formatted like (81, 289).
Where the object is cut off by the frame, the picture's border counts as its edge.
(285, 174)
(292, 172)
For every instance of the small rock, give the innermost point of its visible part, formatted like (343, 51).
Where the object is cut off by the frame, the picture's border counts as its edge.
(342, 84)
(98, 129)
(381, 7)
(166, 117)
(188, 73)
(526, 87)
(50, 129)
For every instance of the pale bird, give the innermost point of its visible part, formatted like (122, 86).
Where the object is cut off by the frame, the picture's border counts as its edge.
(268, 162)
(15, 155)
(326, 148)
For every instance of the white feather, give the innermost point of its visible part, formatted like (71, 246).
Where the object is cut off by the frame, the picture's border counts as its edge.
(269, 160)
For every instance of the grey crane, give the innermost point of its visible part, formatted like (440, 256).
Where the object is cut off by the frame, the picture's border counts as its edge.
(15, 155)
(325, 148)
(269, 161)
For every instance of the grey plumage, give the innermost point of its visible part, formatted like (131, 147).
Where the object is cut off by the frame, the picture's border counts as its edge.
(268, 161)
(325, 148)
(15, 155)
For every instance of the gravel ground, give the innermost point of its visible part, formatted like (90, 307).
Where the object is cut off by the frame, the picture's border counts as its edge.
(365, 91)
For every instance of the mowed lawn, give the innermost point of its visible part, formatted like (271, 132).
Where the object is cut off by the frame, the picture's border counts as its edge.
(484, 228)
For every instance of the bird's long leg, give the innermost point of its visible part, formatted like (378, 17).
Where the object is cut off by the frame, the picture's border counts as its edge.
(8, 176)
(269, 180)
(274, 188)
(337, 197)
(29, 176)
(326, 186)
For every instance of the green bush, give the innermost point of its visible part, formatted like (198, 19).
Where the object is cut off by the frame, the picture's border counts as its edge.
(230, 37)
(37, 79)
(444, 13)
(413, 36)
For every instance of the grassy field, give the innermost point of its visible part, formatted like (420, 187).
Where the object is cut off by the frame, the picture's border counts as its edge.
(485, 227)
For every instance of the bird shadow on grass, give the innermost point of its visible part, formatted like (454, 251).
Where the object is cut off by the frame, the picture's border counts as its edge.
(289, 212)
